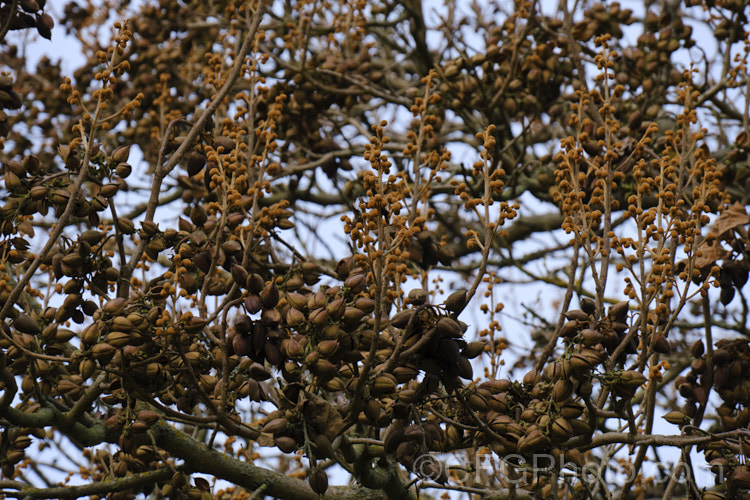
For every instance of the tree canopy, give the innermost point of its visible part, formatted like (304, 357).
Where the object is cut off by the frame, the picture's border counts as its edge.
(248, 248)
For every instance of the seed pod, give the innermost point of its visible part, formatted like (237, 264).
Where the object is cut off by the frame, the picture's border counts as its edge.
(384, 384)
(318, 482)
(477, 402)
(276, 426)
(327, 348)
(285, 443)
(401, 319)
(148, 416)
(394, 436)
(697, 348)
(269, 296)
(619, 312)
(118, 339)
(195, 162)
(579, 362)
(319, 317)
(121, 154)
(532, 441)
(103, 351)
(588, 305)
(562, 390)
(448, 327)
(404, 374)
(331, 332)
(365, 304)
(343, 268)
(292, 349)
(661, 345)
(316, 300)
(372, 410)
(560, 369)
(254, 283)
(575, 456)
(321, 446)
(576, 315)
(44, 25)
(569, 329)
(590, 337)
(294, 317)
(24, 324)
(356, 283)
(740, 477)
(336, 309)
(676, 417)
(90, 334)
(258, 372)
(224, 142)
(531, 377)
(456, 301)
(631, 379)
(474, 349)
(417, 296)
(324, 368)
(465, 370)
(560, 429)
(297, 300)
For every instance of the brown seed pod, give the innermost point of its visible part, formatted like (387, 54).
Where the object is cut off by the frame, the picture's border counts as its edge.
(258, 372)
(224, 142)
(118, 339)
(474, 349)
(562, 390)
(532, 377)
(255, 284)
(661, 345)
(571, 410)
(576, 315)
(448, 327)
(365, 304)
(532, 441)
(384, 384)
(327, 348)
(697, 349)
(336, 309)
(321, 446)
(324, 369)
(630, 380)
(404, 374)
(297, 300)
(590, 337)
(401, 319)
(285, 443)
(276, 426)
(456, 302)
(269, 296)
(477, 402)
(676, 417)
(588, 305)
(318, 482)
(25, 324)
(394, 436)
(417, 296)
(195, 162)
(356, 283)
(316, 301)
(569, 329)
(560, 429)
(319, 317)
(148, 416)
(619, 312)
